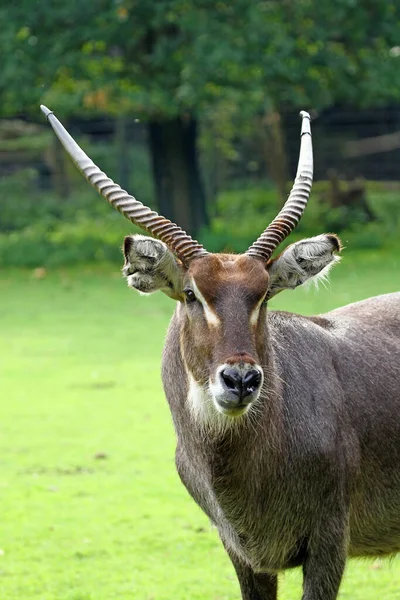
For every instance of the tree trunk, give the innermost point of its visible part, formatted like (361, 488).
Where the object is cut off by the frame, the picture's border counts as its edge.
(197, 194)
(179, 190)
(275, 155)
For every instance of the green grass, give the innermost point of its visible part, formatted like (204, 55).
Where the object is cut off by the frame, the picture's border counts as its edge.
(91, 506)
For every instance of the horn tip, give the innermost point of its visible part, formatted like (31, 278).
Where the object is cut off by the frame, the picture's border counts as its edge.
(46, 111)
(305, 123)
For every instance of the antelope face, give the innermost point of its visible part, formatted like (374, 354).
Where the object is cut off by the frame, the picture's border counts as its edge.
(222, 318)
(222, 313)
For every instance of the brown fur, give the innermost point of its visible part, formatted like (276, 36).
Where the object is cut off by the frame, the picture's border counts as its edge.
(232, 286)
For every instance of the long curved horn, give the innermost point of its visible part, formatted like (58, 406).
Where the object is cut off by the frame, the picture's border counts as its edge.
(294, 206)
(177, 240)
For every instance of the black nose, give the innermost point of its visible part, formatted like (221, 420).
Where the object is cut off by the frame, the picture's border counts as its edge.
(241, 384)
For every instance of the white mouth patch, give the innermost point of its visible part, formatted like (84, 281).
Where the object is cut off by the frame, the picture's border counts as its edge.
(206, 412)
(200, 400)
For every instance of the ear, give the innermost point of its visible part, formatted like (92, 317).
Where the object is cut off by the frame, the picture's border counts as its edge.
(303, 261)
(150, 267)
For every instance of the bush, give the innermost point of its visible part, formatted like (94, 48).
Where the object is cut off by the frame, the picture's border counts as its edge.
(39, 229)
(243, 215)
(84, 240)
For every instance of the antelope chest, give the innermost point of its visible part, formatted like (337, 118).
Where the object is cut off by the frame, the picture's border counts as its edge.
(260, 521)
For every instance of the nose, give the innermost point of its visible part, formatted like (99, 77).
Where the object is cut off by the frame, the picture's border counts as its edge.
(241, 384)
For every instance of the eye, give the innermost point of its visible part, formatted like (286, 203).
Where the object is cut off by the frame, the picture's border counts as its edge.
(189, 295)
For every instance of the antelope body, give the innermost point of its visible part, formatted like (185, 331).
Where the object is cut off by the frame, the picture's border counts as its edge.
(288, 427)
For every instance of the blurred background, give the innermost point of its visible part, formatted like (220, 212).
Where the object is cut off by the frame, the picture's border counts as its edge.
(193, 107)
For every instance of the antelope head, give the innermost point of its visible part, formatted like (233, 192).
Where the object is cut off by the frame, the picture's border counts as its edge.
(221, 298)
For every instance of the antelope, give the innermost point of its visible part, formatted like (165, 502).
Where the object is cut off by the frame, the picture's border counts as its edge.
(288, 427)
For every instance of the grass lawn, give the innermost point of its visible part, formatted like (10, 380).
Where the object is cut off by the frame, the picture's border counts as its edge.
(91, 506)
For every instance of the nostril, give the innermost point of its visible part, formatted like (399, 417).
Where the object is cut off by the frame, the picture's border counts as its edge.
(239, 384)
(251, 381)
(232, 380)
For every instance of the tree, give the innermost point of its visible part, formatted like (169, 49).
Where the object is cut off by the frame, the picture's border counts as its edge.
(171, 61)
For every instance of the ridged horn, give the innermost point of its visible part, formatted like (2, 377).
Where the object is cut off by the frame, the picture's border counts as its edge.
(177, 240)
(294, 206)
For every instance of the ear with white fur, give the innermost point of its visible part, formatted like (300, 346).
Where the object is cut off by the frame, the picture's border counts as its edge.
(151, 267)
(302, 261)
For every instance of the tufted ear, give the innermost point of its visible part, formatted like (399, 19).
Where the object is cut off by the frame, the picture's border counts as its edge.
(303, 261)
(151, 267)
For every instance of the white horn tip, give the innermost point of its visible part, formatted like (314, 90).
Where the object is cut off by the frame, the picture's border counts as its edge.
(46, 111)
(305, 124)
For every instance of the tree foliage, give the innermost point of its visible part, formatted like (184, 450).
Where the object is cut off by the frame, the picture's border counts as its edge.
(159, 59)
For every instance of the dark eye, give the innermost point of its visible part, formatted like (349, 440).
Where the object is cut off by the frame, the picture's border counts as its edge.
(189, 295)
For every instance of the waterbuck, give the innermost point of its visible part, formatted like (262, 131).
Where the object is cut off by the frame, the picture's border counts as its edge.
(288, 427)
